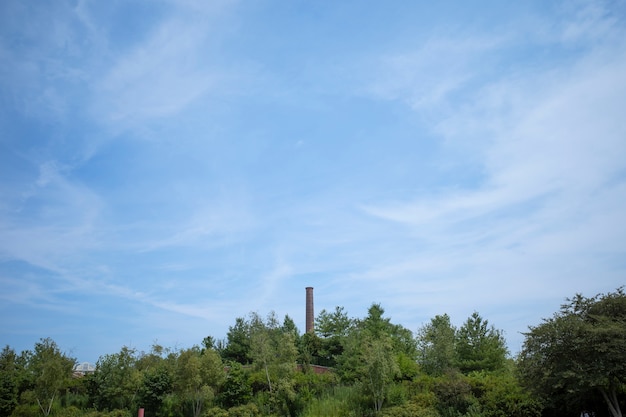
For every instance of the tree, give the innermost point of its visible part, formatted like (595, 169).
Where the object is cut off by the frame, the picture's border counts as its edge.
(236, 389)
(51, 370)
(272, 348)
(379, 368)
(436, 345)
(335, 324)
(480, 347)
(579, 351)
(289, 326)
(116, 381)
(333, 328)
(198, 375)
(156, 384)
(274, 352)
(9, 380)
(371, 354)
(238, 342)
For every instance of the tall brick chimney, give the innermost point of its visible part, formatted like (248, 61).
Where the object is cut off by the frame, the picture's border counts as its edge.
(310, 315)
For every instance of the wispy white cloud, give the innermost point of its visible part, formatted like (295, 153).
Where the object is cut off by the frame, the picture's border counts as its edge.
(544, 212)
(46, 234)
(163, 74)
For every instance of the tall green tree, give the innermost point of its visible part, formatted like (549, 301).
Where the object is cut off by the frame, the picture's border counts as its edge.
(9, 380)
(327, 343)
(371, 355)
(479, 346)
(273, 350)
(51, 370)
(156, 384)
(437, 345)
(237, 347)
(116, 380)
(198, 375)
(335, 324)
(236, 389)
(379, 368)
(579, 351)
(289, 326)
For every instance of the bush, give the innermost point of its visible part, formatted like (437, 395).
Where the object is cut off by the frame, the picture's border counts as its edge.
(500, 395)
(24, 410)
(340, 402)
(248, 410)
(397, 395)
(454, 394)
(409, 410)
(114, 413)
(70, 411)
(215, 412)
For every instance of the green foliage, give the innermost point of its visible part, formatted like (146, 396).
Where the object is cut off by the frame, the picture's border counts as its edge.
(342, 401)
(371, 353)
(475, 346)
(171, 406)
(327, 344)
(480, 347)
(397, 394)
(51, 370)
(216, 412)
(116, 381)
(437, 346)
(289, 326)
(247, 410)
(71, 411)
(236, 389)
(335, 324)
(156, 384)
(317, 384)
(454, 394)
(407, 366)
(9, 381)
(409, 410)
(273, 351)
(112, 413)
(578, 353)
(26, 410)
(500, 395)
(197, 377)
(379, 370)
(238, 342)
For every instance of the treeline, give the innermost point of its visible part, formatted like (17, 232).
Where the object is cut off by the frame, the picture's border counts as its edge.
(571, 363)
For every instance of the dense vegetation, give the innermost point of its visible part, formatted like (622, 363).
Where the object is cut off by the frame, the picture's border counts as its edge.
(571, 363)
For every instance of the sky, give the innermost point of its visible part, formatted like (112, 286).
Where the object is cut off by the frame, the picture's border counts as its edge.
(168, 166)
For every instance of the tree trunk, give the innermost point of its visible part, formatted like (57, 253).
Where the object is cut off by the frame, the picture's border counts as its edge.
(611, 400)
(46, 411)
(197, 402)
(267, 375)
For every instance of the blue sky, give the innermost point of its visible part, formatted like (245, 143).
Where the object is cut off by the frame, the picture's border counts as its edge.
(168, 166)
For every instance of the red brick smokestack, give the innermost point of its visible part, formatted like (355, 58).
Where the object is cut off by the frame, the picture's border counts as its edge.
(310, 316)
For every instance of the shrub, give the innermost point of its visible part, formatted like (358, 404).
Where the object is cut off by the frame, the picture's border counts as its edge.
(70, 411)
(216, 412)
(248, 410)
(397, 395)
(409, 410)
(24, 410)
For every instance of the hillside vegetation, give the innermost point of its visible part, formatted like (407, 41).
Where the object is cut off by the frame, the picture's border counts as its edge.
(571, 363)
